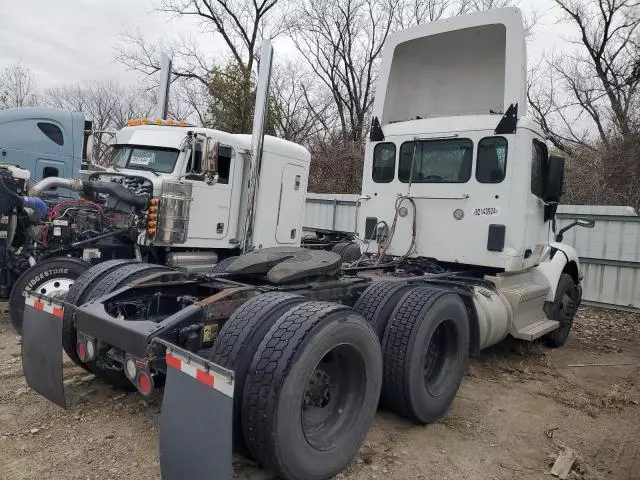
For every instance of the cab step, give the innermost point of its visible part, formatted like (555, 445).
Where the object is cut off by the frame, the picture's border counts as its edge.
(535, 330)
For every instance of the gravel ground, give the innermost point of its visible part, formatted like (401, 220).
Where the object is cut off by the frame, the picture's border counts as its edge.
(518, 408)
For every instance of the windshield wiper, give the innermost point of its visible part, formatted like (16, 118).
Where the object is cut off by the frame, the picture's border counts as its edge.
(148, 169)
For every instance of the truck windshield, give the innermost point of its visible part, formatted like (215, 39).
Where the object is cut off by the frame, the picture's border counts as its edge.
(144, 158)
(436, 161)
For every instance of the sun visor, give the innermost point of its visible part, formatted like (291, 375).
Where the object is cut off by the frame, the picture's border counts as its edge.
(469, 65)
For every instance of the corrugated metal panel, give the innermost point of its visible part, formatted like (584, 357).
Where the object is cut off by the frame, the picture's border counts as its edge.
(331, 212)
(609, 252)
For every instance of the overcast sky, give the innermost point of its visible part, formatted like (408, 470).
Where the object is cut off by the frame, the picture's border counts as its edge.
(73, 41)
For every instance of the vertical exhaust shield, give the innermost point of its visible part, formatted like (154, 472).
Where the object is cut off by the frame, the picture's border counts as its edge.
(257, 139)
(162, 107)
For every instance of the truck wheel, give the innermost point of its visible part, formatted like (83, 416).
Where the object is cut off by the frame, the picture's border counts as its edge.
(121, 276)
(222, 265)
(52, 277)
(118, 277)
(312, 391)
(378, 301)
(352, 253)
(563, 309)
(76, 296)
(425, 348)
(238, 341)
(339, 248)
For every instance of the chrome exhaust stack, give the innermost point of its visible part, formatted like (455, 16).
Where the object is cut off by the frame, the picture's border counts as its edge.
(162, 106)
(257, 139)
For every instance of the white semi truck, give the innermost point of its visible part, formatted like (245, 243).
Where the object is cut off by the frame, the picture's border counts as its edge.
(183, 195)
(284, 356)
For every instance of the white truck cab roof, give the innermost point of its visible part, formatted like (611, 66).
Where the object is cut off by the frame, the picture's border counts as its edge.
(468, 65)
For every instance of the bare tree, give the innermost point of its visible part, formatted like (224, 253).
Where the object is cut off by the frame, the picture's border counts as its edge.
(342, 42)
(17, 87)
(305, 112)
(242, 24)
(595, 86)
(106, 104)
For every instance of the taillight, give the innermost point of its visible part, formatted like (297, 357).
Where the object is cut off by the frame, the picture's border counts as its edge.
(82, 352)
(137, 371)
(86, 348)
(144, 383)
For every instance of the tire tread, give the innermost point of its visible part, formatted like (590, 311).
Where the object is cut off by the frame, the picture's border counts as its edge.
(268, 372)
(396, 348)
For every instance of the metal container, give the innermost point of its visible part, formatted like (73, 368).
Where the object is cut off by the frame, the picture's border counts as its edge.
(173, 213)
(192, 259)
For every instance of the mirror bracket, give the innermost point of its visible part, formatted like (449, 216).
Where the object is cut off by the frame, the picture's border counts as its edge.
(578, 223)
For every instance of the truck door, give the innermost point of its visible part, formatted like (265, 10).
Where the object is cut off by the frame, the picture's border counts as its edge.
(537, 230)
(210, 207)
(291, 204)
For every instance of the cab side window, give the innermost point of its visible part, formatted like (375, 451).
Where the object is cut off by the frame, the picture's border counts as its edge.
(52, 132)
(384, 163)
(538, 168)
(224, 163)
(491, 165)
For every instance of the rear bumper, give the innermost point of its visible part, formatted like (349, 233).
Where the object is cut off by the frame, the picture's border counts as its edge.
(197, 405)
(133, 337)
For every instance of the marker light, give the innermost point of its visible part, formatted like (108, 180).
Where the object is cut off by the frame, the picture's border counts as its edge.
(130, 369)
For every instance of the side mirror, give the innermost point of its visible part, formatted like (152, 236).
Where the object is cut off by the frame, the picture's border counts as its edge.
(586, 223)
(555, 179)
(577, 223)
(210, 163)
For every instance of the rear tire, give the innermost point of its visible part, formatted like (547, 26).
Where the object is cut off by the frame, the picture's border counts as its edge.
(76, 296)
(312, 391)
(238, 340)
(352, 253)
(378, 301)
(117, 278)
(562, 309)
(222, 265)
(53, 276)
(425, 349)
(339, 248)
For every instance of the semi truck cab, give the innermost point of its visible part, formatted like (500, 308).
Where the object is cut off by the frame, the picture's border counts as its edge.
(199, 177)
(453, 150)
(48, 142)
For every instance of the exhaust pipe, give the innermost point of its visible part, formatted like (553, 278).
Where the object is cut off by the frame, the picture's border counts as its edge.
(52, 182)
(162, 107)
(90, 187)
(257, 139)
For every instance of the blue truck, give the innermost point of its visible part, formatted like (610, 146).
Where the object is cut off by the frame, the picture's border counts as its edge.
(48, 142)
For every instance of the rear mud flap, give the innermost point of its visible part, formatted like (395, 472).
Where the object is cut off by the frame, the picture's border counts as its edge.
(42, 348)
(196, 418)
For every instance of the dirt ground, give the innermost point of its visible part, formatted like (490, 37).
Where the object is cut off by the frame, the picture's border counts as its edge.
(520, 405)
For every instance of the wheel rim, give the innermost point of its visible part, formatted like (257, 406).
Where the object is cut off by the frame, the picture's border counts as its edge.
(439, 356)
(57, 287)
(333, 397)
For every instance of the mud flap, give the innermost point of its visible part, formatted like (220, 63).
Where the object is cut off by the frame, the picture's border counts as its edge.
(42, 347)
(196, 419)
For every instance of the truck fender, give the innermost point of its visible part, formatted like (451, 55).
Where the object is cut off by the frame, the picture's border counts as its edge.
(560, 258)
(474, 326)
